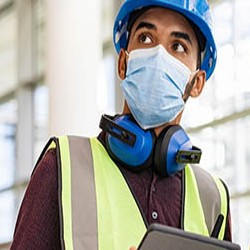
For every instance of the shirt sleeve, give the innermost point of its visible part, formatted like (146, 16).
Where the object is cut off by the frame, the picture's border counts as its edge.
(37, 225)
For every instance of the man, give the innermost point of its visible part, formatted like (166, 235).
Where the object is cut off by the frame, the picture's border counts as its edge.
(102, 193)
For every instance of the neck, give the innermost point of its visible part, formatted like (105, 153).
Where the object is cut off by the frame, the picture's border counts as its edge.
(176, 121)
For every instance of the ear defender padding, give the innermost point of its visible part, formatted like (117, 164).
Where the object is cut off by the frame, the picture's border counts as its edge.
(170, 141)
(138, 156)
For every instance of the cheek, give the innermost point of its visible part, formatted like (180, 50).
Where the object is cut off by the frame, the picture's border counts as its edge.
(194, 61)
(191, 62)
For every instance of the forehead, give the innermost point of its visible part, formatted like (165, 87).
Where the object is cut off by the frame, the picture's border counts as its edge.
(164, 18)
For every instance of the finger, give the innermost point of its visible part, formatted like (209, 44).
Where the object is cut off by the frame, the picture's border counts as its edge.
(132, 248)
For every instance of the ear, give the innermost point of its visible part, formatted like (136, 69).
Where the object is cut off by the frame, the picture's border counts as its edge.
(199, 83)
(122, 64)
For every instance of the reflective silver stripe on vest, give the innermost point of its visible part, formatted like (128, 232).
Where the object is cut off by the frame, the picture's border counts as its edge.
(85, 232)
(211, 204)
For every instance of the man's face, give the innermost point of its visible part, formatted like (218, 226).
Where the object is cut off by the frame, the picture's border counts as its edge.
(162, 26)
(166, 27)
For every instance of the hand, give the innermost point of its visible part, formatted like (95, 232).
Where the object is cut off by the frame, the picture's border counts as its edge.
(132, 248)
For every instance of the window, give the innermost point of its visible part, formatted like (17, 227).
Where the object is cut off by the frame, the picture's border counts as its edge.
(23, 106)
(8, 51)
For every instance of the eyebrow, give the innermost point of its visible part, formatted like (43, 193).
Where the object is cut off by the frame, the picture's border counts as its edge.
(176, 34)
(182, 35)
(147, 25)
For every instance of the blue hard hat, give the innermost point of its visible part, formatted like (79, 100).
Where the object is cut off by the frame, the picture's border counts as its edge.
(197, 11)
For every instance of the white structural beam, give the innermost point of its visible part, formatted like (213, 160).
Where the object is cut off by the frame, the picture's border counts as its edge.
(74, 52)
(26, 71)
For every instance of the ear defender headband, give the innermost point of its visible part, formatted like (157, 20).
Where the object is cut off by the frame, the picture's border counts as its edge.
(137, 149)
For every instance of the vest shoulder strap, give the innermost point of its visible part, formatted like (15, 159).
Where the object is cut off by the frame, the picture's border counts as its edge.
(75, 171)
(97, 208)
(214, 198)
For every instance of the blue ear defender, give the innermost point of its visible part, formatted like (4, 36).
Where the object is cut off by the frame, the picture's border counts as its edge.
(127, 143)
(137, 149)
(173, 151)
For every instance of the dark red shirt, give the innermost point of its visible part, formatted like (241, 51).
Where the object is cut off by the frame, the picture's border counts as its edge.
(37, 224)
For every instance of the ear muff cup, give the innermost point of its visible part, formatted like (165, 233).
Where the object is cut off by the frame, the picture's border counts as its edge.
(137, 157)
(169, 142)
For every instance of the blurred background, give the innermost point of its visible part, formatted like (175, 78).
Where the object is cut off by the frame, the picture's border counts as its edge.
(58, 75)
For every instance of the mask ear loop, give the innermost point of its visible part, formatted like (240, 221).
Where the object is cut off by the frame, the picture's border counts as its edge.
(190, 85)
(194, 73)
(192, 77)
(127, 53)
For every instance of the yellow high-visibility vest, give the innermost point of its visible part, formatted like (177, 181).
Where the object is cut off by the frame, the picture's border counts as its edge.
(98, 209)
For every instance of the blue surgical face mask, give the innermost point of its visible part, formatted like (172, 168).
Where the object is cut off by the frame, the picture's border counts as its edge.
(154, 84)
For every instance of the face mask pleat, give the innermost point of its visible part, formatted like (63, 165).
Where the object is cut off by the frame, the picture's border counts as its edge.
(154, 84)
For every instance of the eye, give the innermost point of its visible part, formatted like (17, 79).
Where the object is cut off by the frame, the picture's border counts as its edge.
(179, 47)
(145, 39)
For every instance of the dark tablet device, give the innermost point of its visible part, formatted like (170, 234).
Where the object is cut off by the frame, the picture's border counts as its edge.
(160, 237)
